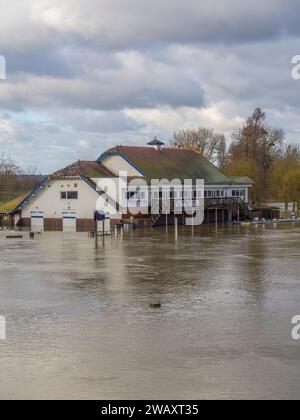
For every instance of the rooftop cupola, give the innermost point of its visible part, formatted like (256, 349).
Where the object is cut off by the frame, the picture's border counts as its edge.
(156, 143)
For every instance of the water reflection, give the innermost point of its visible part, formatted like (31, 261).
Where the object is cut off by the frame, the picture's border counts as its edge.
(80, 325)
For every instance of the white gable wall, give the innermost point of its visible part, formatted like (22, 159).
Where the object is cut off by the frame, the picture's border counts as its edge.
(49, 201)
(116, 163)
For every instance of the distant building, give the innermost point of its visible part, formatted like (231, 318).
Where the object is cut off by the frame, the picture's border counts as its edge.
(66, 200)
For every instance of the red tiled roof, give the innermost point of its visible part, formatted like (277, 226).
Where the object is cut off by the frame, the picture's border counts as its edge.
(90, 169)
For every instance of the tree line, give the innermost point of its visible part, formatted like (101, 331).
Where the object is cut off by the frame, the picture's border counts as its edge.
(13, 180)
(256, 150)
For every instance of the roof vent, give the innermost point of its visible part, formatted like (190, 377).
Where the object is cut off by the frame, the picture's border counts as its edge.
(156, 143)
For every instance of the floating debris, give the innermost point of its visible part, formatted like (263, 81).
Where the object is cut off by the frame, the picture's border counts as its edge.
(155, 305)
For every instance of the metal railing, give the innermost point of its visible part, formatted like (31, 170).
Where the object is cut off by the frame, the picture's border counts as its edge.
(226, 203)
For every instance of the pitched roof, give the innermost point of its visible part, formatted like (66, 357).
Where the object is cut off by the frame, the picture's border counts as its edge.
(171, 163)
(12, 204)
(90, 169)
(156, 142)
(243, 180)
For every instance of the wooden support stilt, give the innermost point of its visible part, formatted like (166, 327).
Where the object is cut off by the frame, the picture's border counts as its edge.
(96, 234)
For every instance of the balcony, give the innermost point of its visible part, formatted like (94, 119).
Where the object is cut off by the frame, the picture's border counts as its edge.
(224, 203)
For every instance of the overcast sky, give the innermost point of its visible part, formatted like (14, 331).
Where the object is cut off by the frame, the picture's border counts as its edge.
(85, 75)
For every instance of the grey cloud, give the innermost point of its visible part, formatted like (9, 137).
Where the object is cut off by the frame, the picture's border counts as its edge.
(136, 83)
(86, 62)
(135, 23)
(132, 24)
(99, 122)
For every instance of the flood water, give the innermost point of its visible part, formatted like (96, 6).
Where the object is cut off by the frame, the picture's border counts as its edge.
(79, 323)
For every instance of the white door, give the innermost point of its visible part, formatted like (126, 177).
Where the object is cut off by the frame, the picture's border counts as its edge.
(69, 222)
(104, 225)
(37, 221)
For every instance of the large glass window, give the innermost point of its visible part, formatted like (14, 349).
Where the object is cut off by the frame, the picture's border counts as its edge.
(238, 193)
(207, 194)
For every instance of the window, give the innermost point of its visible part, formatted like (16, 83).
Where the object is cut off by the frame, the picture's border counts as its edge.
(75, 185)
(238, 193)
(130, 194)
(72, 195)
(63, 195)
(207, 194)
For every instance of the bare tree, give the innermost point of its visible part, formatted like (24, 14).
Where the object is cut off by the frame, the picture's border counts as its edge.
(291, 152)
(8, 176)
(202, 140)
(8, 167)
(223, 156)
(260, 143)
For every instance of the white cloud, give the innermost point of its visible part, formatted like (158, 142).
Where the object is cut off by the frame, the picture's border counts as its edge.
(169, 119)
(117, 71)
(83, 144)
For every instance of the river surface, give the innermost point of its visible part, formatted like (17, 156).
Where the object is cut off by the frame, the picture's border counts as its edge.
(79, 324)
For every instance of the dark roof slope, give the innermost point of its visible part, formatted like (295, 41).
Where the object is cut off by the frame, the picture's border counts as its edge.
(171, 163)
(242, 180)
(82, 168)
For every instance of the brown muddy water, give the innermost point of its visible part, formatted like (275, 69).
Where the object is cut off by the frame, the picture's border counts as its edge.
(79, 323)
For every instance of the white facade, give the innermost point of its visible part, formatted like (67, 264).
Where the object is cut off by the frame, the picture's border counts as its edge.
(65, 199)
(49, 200)
(117, 163)
(228, 191)
(119, 194)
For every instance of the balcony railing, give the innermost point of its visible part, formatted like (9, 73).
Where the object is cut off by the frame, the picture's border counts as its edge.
(226, 203)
